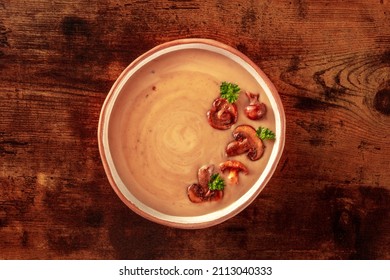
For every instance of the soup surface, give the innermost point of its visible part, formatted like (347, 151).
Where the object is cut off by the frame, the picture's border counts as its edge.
(159, 135)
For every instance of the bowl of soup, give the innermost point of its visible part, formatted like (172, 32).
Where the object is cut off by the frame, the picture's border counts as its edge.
(172, 143)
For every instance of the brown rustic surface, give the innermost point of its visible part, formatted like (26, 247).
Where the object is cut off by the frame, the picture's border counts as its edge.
(330, 61)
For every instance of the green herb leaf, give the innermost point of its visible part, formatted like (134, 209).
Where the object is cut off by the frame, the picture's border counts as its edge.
(265, 134)
(216, 182)
(229, 91)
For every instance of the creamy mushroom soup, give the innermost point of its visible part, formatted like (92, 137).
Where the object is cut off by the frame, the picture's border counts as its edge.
(159, 135)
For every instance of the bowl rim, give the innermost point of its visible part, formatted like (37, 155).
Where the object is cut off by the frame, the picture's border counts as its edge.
(219, 216)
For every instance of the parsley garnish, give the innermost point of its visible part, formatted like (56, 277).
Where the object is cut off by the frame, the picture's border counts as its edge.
(265, 134)
(216, 182)
(229, 91)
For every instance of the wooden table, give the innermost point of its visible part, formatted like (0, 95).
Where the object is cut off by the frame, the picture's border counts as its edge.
(329, 60)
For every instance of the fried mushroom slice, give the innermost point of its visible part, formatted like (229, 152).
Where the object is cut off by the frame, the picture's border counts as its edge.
(204, 176)
(222, 114)
(199, 192)
(245, 141)
(234, 167)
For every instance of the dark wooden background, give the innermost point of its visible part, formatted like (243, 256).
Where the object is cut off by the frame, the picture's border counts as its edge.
(330, 61)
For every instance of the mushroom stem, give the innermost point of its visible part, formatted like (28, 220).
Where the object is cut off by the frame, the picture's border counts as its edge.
(204, 175)
(233, 176)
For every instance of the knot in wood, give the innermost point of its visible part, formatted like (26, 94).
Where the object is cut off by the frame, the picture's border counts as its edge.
(382, 101)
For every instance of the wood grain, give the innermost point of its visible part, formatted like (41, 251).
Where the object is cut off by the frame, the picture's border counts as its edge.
(329, 60)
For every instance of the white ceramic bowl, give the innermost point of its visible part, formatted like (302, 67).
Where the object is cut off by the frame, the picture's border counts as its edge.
(106, 146)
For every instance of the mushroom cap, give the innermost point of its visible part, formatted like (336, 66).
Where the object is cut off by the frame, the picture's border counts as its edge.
(246, 140)
(255, 111)
(233, 165)
(195, 193)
